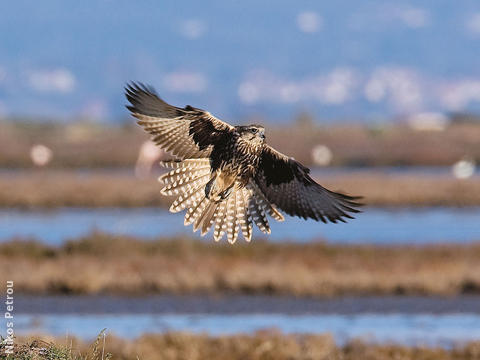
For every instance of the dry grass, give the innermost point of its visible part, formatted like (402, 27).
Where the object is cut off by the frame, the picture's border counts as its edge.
(40, 348)
(408, 190)
(94, 145)
(266, 345)
(388, 145)
(30, 189)
(75, 145)
(106, 264)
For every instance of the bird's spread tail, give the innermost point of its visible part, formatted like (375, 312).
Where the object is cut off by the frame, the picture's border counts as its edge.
(237, 212)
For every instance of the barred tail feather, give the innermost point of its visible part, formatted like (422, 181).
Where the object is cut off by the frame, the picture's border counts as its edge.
(207, 218)
(257, 210)
(226, 223)
(232, 217)
(219, 219)
(188, 199)
(187, 180)
(245, 221)
(195, 211)
(232, 221)
(268, 206)
(237, 213)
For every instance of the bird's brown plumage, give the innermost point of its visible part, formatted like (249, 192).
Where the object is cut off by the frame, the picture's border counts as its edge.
(228, 177)
(188, 133)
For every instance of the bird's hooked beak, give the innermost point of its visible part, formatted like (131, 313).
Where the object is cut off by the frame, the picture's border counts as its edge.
(262, 134)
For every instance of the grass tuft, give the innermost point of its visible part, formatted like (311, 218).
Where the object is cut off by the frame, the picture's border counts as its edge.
(39, 349)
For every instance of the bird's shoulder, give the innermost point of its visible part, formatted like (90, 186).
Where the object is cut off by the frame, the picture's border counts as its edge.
(278, 168)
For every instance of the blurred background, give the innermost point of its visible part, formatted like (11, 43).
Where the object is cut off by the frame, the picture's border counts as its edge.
(378, 98)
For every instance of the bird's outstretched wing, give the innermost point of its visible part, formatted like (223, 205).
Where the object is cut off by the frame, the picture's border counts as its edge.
(287, 184)
(186, 132)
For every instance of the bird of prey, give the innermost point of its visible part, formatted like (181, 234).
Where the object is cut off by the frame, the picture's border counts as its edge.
(228, 176)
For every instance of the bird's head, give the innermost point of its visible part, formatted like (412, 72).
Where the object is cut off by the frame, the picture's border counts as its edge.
(254, 134)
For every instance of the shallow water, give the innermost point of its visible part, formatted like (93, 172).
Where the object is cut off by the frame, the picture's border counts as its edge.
(244, 304)
(374, 225)
(404, 320)
(400, 328)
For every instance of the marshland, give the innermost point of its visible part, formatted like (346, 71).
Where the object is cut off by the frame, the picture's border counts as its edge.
(379, 100)
(101, 250)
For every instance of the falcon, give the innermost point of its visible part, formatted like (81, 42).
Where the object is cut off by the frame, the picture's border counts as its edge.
(227, 176)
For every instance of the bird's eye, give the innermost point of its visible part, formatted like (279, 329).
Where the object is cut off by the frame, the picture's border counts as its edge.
(253, 130)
